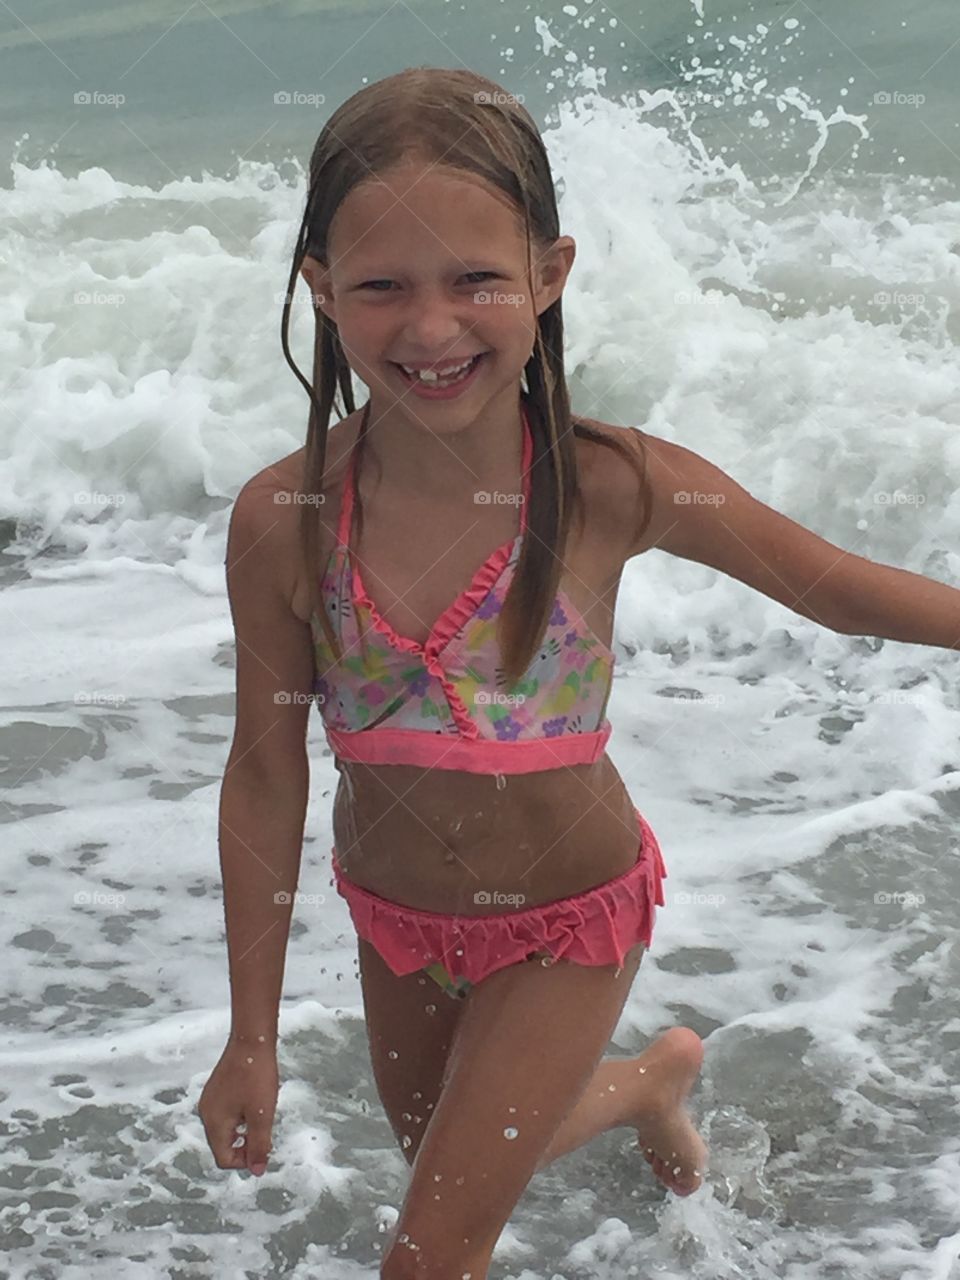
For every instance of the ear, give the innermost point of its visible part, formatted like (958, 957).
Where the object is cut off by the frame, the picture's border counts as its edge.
(551, 271)
(319, 282)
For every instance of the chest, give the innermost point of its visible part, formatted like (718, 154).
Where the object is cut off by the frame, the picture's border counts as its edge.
(416, 563)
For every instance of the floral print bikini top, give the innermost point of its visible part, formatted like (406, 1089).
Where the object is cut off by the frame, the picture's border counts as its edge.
(442, 704)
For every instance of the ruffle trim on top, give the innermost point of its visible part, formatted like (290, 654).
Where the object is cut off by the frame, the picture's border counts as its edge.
(445, 628)
(596, 927)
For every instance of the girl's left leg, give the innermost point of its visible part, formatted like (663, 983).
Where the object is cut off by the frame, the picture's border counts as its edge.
(527, 1045)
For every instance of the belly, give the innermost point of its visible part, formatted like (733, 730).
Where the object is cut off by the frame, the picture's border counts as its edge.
(455, 842)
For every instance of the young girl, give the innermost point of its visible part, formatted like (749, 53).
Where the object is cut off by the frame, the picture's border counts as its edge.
(439, 571)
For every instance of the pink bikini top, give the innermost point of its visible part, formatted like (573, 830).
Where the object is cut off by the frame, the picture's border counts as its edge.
(442, 704)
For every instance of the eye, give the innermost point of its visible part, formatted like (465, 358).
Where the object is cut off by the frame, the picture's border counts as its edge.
(480, 273)
(367, 283)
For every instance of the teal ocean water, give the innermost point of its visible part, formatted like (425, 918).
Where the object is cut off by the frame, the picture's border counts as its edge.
(765, 203)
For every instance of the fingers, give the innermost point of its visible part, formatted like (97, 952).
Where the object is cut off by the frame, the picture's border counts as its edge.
(258, 1147)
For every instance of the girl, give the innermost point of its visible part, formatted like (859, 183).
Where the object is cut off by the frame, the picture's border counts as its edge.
(502, 885)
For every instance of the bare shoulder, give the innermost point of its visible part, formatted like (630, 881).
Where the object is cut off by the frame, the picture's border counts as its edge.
(621, 502)
(611, 485)
(269, 499)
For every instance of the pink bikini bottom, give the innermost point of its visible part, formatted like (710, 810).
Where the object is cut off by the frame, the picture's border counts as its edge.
(596, 927)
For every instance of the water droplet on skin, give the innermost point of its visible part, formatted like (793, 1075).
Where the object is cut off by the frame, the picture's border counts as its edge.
(642, 1070)
(392, 1054)
(249, 1060)
(460, 1182)
(418, 1094)
(406, 1116)
(612, 1088)
(511, 1108)
(405, 1142)
(437, 1177)
(501, 782)
(511, 1133)
(430, 1008)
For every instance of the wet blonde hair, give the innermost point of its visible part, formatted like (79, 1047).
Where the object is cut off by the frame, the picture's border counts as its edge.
(464, 121)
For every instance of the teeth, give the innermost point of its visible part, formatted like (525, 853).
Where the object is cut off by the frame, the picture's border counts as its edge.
(436, 375)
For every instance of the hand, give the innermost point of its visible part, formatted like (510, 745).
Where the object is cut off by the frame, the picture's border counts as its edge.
(240, 1100)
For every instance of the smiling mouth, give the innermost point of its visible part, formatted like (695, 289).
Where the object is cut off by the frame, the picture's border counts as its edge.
(460, 376)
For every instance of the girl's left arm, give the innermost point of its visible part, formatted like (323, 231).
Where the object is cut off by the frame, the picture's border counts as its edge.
(700, 513)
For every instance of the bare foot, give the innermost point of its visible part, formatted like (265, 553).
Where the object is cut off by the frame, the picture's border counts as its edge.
(671, 1145)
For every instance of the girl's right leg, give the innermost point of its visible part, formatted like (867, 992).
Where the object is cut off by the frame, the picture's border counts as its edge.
(410, 1026)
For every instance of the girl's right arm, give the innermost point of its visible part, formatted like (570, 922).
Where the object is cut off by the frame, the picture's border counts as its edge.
(263, 804)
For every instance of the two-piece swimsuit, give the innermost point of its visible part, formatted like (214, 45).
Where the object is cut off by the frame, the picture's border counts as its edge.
(440, 705)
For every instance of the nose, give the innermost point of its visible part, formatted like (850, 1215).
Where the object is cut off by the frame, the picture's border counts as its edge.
(434, 322)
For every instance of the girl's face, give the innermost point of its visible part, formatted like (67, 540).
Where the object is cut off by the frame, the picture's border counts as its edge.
(428, 266)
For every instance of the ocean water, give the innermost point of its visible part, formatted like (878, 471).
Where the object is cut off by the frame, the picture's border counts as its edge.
(765, 201)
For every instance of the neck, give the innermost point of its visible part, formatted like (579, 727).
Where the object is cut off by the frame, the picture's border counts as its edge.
(414, 457)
